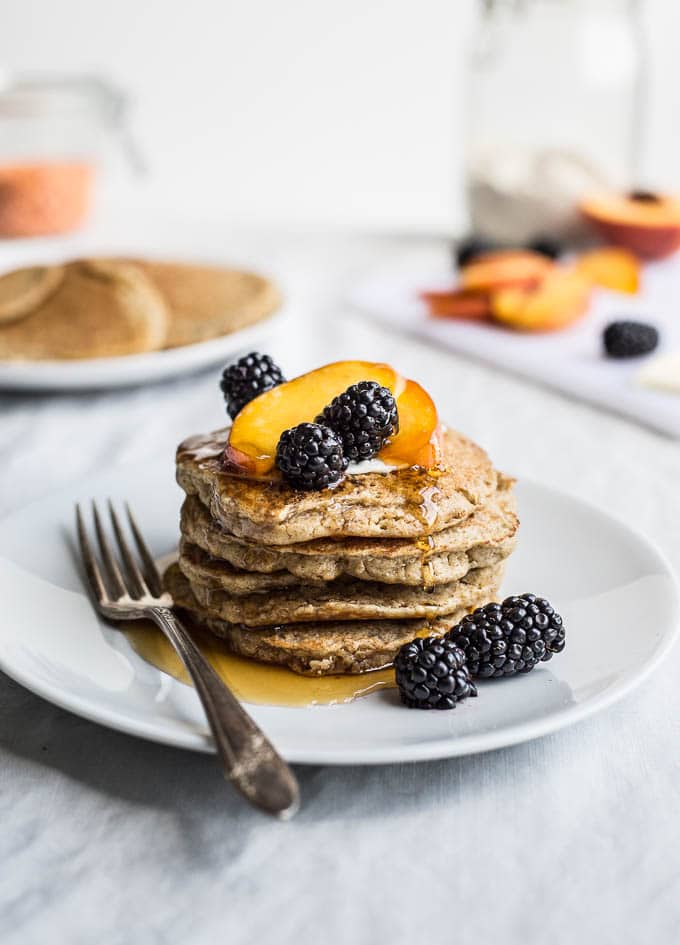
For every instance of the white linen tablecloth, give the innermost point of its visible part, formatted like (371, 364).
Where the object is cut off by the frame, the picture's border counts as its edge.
(573, 838)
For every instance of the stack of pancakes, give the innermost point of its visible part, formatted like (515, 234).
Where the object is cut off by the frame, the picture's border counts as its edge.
(94, 308)
(336, 581)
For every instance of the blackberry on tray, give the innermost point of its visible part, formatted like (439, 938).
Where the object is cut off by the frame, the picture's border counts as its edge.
(469, 248)
(626, 339)
(547, 246)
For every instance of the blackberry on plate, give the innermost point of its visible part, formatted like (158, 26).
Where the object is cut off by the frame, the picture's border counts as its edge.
(431, 674)
(364, 417)
(509, 638)
(629, 339)
(470, 247)
(310, 456)
(248, 377)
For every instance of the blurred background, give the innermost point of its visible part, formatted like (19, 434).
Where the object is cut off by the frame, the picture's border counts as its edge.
(308, 113)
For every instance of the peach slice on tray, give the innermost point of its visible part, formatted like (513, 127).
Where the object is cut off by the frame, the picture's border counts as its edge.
(560, 299)
(505, 269)
(646, 223)
(466, 304)
(611, 267)
(256, 430)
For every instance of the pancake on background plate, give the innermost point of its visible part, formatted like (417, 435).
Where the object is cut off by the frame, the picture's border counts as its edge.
(90, 309)
(98, 308)
(23, 290)
(207, 301)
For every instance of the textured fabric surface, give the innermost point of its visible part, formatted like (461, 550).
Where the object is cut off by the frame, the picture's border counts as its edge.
(572, 838)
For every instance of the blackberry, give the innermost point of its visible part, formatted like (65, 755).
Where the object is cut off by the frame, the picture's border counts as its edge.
(644, 196)
(466, 250)
(509, 638)
(364, 417)
(547, 246)
(432, 674)
(310, 456)
(629, 339)
(250, 376)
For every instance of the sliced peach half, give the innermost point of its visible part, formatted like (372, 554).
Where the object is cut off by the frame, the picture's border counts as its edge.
(611, 267)
(417, 423)
(505, 269)
(255, 433)
(558, 301)
(429, 455)
(646, 223)
(465, 304)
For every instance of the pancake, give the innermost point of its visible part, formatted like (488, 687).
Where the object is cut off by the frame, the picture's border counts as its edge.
(337, 600)
(207, 301)
(314, 648)
(485, 538)
(237, 581)
(23, 290)
(406, 503)
(98, 309)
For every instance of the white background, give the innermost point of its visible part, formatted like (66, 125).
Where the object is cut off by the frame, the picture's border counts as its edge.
(340, 112)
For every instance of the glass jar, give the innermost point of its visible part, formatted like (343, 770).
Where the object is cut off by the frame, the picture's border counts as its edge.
(55, 134)
(556, 103)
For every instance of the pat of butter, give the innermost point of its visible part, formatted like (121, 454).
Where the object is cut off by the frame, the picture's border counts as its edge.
(662, 373)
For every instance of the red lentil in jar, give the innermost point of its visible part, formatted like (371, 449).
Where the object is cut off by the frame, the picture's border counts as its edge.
(57, 135)
(44, 198)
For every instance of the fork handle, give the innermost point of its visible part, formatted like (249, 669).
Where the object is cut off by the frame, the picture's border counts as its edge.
(250, 761)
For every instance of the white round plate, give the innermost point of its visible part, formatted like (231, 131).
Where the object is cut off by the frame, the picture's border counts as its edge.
(615, 591)
(131, 369)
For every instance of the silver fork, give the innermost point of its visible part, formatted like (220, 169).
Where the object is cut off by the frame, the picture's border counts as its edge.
(132, 592)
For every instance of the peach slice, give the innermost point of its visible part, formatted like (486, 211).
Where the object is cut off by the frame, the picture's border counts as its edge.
(611, 268)
(430, 455)
(466, 304)
(417, 423)
(506, 269)
(255, 433)
(647, 224)
(557, 302)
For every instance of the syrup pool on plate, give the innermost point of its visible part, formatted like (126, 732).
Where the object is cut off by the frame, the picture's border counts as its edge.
(255, 682)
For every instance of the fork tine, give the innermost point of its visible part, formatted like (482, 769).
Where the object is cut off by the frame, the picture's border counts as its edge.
(152, 575)
(89, 561)
(110, 563)
(131, 566)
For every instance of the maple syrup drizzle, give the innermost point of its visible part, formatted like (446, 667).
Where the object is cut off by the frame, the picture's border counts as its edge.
(429, 508)
(425, 546)
(203, 447)
(257, 683)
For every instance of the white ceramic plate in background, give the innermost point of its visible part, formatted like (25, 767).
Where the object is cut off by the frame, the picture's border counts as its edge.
(616, 592)
(131, 369)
